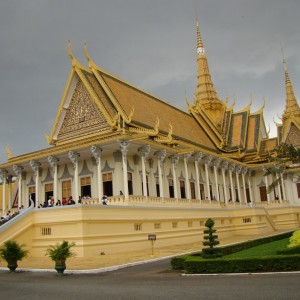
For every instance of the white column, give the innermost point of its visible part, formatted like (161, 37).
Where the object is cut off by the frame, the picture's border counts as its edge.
(144, 152)
(9, 181)
(197, 157)
(73, 156)
(151, 179)
(161, 155)
(216, 164)
(96, 151)
(267, 185)
(250, 186)
(283, 187)
(224, 167)
(207, 161)
(237, 173)
(53, 161)
(3, 176)
(174, 161)
(124, 150)
(278, 188)
(35, 165)
(244, 171)
(18, 171)
(187, 182)
(231, 168)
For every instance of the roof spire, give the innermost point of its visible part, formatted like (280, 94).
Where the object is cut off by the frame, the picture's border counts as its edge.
(206, 97)
(291, 105)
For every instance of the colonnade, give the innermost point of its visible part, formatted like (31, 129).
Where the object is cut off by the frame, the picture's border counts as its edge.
(190, 165)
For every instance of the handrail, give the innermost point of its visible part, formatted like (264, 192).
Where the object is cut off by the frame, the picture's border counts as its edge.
(18, 217)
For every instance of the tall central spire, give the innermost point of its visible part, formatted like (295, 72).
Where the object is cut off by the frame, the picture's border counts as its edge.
(291, 106)
(206, 97)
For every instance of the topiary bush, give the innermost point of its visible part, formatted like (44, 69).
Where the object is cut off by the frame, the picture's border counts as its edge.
(211, 240)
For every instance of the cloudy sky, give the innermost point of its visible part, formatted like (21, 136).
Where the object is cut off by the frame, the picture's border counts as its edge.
(150, 43)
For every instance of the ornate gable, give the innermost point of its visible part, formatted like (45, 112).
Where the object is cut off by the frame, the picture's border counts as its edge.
(82, 116)
(293, 136)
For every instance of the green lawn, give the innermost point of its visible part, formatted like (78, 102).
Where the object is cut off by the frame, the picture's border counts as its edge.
(261, 250)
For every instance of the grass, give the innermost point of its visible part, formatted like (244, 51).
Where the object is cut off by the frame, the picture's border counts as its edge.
(261, 250)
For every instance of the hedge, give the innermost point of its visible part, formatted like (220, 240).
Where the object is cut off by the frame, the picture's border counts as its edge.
(178, 262)
(272, 263)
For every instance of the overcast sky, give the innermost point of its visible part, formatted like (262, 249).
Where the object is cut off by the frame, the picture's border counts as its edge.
(151, 44)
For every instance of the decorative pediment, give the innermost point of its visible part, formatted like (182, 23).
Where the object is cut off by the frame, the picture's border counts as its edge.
(293, 136)
(82, 115)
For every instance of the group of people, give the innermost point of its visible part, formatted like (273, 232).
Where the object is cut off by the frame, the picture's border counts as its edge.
(9, 215)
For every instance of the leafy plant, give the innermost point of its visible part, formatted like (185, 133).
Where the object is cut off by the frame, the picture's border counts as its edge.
(12, 252)
(60, 252)
(211, 240)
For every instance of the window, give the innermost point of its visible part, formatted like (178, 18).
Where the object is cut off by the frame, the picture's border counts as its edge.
(107, 184)
(171, 188)
(48, 191)
(174, 225)
(193, 195)
(190, 224)
(46, 231)
(66, 189)
(85, 183)
(130, 183)
(137, 226)
(182, 189)
(298, 189)
(157, 226)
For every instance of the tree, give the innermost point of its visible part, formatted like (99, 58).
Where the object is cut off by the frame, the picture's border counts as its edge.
(210, 240)
(285, 157)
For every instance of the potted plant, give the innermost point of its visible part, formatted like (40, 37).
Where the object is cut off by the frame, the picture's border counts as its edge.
(59, 253)
(11, 252)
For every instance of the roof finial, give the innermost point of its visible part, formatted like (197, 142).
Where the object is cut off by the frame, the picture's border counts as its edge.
(70, 53)
(291, 106)
(86, 51)
(200, 47)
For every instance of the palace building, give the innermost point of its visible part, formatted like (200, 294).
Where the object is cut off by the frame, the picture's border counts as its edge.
(163, 170)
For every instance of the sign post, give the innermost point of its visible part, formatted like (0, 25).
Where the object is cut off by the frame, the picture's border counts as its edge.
(152, 238)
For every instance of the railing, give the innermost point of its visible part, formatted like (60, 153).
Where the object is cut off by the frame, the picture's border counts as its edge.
(18, 216)
(134, 200)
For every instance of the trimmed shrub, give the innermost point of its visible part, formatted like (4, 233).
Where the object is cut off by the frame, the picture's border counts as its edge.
(254, 264)
(290, 251)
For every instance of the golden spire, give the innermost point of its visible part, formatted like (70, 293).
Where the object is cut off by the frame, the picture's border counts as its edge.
(206, 96)
(291, 105)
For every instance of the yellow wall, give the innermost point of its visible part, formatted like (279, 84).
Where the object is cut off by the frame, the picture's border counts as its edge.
(111, 229)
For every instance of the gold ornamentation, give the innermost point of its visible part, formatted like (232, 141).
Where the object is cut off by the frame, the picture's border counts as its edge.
(82, 113)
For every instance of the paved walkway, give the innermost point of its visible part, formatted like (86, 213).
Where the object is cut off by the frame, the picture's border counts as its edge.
(118, 259)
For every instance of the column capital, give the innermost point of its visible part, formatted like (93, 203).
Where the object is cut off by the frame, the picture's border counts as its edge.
(35, 166)
(174, 159)
(73, 156)
(216, 162)
(238, 169)
(244, 171)
(198, 156)
(18, 170)
(161, 155)
(144, 151)
(231, 167)
(225, 164)
(208, 159)
(124, 146)
(53, 161)
(3, 175)
(187, 156)
(96, 151)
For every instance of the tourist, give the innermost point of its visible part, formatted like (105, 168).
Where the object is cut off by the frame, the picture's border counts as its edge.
(64, 201)
(104, 200)
(58, 203)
